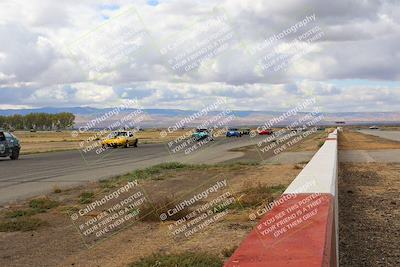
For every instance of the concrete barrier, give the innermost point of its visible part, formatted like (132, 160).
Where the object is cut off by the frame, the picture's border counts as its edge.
(301, 227)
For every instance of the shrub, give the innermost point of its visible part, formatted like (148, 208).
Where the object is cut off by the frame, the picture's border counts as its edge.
(253, 196)
(43, 204)
(86, 197)
(186, 259)
(21, 224)
(227, 252)
(20, 213)
(56, 189)
(151, 211)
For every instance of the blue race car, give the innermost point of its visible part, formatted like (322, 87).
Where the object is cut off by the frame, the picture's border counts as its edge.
(233, 132)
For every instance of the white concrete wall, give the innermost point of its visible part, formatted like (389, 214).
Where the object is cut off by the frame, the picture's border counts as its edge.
(320, 174)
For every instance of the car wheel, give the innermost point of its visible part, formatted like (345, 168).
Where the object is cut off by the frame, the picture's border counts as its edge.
(14, 154)
(115, 146)
(135, 143)
(127, 144)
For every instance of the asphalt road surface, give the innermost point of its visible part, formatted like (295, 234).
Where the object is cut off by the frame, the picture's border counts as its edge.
(392, 135)
(39, 173)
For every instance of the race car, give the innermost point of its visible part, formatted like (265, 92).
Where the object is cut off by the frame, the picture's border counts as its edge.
(265, 132)
(120, 138)
(233, 132)
(245, 131)
(9, 145)
(201, 134)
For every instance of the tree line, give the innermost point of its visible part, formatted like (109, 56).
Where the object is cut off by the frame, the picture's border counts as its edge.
(37, 121)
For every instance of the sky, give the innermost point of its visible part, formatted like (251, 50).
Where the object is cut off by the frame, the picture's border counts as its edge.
(180, 54)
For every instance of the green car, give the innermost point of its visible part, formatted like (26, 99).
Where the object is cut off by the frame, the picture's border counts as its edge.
(9, 145)
(201, 134)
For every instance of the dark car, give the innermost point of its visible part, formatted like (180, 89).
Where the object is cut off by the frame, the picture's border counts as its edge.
(233, 132)
(9, 145)
(245, 131)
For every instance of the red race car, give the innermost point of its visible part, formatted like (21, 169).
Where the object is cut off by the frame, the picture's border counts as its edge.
(265, 132)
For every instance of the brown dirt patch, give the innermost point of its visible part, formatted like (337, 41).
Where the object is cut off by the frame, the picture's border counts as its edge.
(311, 143)
(369, 212)
(59, 244)
(349, 140)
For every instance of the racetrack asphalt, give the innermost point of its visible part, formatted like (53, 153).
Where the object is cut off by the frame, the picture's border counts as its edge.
(37, 174)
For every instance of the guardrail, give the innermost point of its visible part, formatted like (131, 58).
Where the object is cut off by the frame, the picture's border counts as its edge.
(301, 227)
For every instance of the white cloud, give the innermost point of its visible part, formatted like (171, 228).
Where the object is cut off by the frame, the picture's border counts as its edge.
(360, 41)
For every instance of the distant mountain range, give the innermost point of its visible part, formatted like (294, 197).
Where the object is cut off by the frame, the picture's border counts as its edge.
(167, 117)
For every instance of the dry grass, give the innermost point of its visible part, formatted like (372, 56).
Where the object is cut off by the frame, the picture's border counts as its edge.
(23, 218)
(349, 140)
(23, 224)
(313, 142)
(253, 195)
(144, 238)
(187, 259)
(49, 141)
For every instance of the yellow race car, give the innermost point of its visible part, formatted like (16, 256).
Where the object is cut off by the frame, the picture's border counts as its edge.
(120, 138)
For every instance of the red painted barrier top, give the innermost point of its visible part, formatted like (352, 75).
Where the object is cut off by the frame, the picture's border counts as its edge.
(297, 232)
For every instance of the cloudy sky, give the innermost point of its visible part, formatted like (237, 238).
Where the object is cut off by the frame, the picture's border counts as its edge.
(260, 54)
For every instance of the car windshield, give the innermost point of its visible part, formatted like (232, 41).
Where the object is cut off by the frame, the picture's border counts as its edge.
(201, 130)
(233, 129)
(116, 134)
(2, 136)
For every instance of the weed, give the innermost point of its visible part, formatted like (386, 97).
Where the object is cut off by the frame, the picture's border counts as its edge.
(20, 213)
(43, 204)
(156, 170)
(56, 189)
(86, 197)
(253, 196)
(108, 183)
(21, 224)
(227, 252)
(186, 259)
(321, 143)
(151, 211)
(69, 209)
(298, 167)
